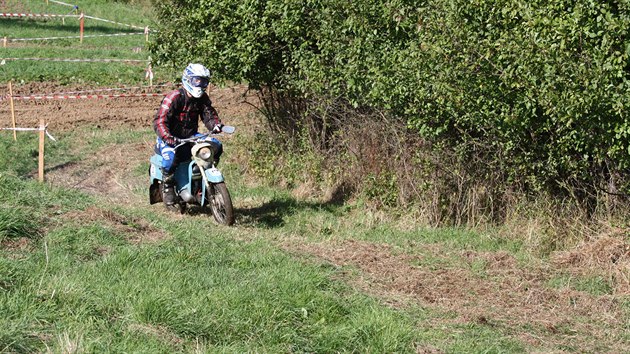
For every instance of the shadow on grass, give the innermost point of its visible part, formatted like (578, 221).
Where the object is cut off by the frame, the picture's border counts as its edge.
(273, 213)
(61, 166)
(32, 174)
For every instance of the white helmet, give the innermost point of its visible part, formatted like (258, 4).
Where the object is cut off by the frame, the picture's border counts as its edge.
(195, 79)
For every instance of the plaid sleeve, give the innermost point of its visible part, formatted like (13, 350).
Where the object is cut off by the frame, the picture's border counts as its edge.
(160, 123)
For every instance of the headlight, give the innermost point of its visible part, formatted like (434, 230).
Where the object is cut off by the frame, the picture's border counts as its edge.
(205, 153)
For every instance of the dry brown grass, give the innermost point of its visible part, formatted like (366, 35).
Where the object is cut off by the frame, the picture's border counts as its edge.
(135, 230)
(160, 332)
(606, 255)
(508, 295)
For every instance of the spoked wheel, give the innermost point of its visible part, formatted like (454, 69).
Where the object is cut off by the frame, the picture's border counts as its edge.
(220, 203)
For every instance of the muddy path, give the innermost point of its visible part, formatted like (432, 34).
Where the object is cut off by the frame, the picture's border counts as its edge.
(105, 113)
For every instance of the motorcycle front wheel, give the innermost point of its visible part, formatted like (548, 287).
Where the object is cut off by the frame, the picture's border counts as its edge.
(220, 203)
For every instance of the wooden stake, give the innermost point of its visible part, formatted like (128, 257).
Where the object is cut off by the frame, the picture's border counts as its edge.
(42, 135)
(81, 23)
(12, 110)
(150, 76)
(4, 41)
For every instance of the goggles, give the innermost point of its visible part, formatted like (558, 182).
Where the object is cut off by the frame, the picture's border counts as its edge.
(198, 81)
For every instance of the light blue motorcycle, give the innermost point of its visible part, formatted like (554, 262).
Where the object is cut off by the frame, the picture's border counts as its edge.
(198, 181)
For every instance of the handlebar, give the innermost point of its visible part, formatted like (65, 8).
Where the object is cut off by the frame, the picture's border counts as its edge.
(227, 129)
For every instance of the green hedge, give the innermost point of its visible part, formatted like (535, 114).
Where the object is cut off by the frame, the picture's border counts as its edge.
(539, 89)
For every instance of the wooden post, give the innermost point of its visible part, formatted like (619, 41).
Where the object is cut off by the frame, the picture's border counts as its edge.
(150, 76)
(12, 110)
(81, 23)
(146, 34)
(4, 42)
(42, 135)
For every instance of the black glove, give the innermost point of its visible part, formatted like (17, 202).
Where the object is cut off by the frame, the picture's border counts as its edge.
(174, 141)
(217, 128)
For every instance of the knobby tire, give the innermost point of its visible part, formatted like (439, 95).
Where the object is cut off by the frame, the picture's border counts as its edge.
(220, 203)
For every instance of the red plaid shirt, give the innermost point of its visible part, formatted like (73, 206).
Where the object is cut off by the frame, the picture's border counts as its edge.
(178, 116)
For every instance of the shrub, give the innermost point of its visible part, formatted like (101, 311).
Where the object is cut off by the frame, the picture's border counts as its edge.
(534, 93)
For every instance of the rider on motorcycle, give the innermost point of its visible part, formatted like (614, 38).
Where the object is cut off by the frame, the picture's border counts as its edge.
(178, 118)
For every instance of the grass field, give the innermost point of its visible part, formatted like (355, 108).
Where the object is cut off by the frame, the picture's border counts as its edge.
(79, 272)
(130, 46)
(70, 280)
(101, 270)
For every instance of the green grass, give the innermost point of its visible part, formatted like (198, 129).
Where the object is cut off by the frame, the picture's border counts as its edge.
(21, 156)
(90, 284)
(87, 282)
(595, 285)
(70, 282)
(189, 290)
(122, 47)
(86, 285)
(17, 223)
(134, 13)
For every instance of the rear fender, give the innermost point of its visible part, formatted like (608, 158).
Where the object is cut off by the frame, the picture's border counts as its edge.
(155, 169)
(155, 192)
(155, 178)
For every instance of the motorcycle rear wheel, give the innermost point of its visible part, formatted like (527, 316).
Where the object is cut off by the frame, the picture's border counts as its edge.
(220, 203)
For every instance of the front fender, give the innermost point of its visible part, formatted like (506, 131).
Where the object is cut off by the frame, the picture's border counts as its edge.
(213, 175)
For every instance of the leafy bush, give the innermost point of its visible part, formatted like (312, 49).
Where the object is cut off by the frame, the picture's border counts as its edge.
(535, 93)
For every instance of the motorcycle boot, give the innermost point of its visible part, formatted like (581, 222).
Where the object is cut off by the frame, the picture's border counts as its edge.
(168, 188)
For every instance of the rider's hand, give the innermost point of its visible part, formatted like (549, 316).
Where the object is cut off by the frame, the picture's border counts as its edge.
(175, 141)
(217, 128)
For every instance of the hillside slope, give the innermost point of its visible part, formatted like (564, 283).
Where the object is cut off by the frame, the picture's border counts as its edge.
(463, 291)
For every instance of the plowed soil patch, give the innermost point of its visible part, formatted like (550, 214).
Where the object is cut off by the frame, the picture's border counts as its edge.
(104, 113)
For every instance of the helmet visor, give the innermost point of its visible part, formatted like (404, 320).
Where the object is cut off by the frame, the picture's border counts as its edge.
(198, 81)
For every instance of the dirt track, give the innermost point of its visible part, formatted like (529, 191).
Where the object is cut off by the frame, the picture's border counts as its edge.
(133, 112)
